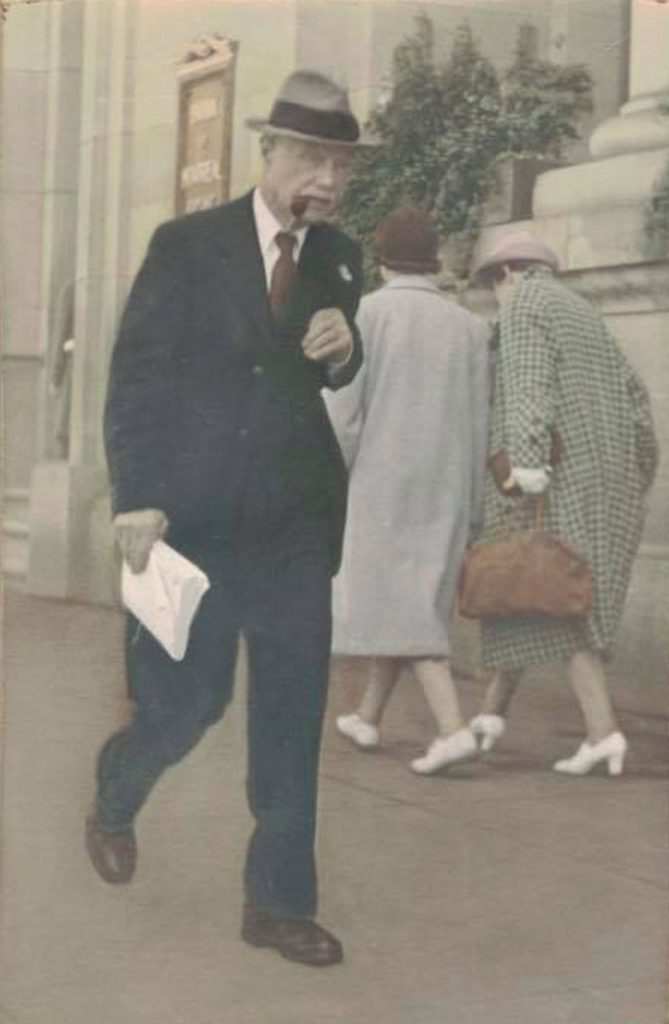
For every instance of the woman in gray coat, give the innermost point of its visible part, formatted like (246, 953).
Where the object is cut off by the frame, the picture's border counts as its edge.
(563, 386)
(412, 428)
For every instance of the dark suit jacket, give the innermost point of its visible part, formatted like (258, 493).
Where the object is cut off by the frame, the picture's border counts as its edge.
(213, 414)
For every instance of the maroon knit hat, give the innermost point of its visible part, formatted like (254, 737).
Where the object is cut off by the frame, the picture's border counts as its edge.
(407, 241)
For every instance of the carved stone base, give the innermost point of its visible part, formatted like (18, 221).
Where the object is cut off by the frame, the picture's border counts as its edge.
(71, 545)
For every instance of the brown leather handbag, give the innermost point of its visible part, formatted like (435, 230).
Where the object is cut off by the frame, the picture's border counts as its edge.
(528, 572)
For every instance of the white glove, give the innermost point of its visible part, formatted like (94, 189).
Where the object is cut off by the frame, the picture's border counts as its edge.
(531, 481)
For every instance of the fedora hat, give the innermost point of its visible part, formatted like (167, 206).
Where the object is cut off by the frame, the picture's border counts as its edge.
(516, 245)
(312, 107)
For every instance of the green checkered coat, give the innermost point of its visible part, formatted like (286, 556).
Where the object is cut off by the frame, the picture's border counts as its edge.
(558, 366)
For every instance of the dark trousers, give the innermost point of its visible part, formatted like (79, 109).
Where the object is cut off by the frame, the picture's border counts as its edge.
(277, 592)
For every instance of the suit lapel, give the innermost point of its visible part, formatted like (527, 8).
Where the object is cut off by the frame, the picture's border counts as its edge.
(322, 265)
(313, 265)
(241, 264)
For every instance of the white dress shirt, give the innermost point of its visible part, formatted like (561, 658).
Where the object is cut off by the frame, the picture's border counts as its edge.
(267, 227)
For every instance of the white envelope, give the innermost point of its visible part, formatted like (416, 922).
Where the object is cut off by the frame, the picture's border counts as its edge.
(165, 597)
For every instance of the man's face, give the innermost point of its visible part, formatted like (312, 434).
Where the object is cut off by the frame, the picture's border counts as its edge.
(303, 181)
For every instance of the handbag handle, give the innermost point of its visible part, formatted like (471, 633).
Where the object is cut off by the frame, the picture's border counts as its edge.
(535, 503)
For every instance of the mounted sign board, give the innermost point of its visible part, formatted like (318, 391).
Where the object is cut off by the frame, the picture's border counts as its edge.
(206, 92)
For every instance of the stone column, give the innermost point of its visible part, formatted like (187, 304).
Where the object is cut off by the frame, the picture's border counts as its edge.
(41, 84)
(574, 205)
(71, 550)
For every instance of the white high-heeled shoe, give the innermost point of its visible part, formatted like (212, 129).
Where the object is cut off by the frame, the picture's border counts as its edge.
(362, 733)
(445, 750)
(489, 728)
(612, 749)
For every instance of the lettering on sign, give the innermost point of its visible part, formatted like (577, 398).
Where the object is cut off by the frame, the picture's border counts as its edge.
(203, 173)
(194, 203)
(206, 90)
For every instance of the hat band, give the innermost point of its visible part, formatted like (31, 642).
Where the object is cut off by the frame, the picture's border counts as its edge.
(325, 124)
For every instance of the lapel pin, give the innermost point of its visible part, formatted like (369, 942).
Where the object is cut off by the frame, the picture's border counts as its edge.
(345, 273)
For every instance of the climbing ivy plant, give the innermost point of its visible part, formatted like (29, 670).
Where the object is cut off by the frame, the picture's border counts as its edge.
(543, 102)
(446, 123)
(440, 126)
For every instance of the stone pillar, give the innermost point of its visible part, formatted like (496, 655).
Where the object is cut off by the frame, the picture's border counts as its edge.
(71, 548)
(41, 83)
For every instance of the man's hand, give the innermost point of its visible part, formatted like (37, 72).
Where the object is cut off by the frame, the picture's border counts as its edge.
(328, 338)
(137, 532)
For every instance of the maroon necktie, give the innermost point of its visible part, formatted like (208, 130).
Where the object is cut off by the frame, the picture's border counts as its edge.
(284, 272)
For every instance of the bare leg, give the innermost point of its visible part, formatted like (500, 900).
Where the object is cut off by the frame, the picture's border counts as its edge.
(586, 675)
(383, 675)
(434, 675)
(500, 692)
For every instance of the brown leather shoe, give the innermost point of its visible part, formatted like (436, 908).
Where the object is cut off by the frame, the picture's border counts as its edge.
(295, 938)
(112, 854)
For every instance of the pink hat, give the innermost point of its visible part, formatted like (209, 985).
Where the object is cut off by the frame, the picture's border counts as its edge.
(517, 245)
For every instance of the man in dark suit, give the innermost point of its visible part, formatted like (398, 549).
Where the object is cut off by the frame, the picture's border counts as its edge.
(217, 438)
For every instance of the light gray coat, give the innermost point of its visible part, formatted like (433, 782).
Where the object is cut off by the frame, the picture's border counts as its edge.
(412, 427)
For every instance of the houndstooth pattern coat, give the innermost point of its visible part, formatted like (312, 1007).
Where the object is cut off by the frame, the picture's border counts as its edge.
(559, 367)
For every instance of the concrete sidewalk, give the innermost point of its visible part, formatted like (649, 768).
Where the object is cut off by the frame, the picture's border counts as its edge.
(498, 894)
